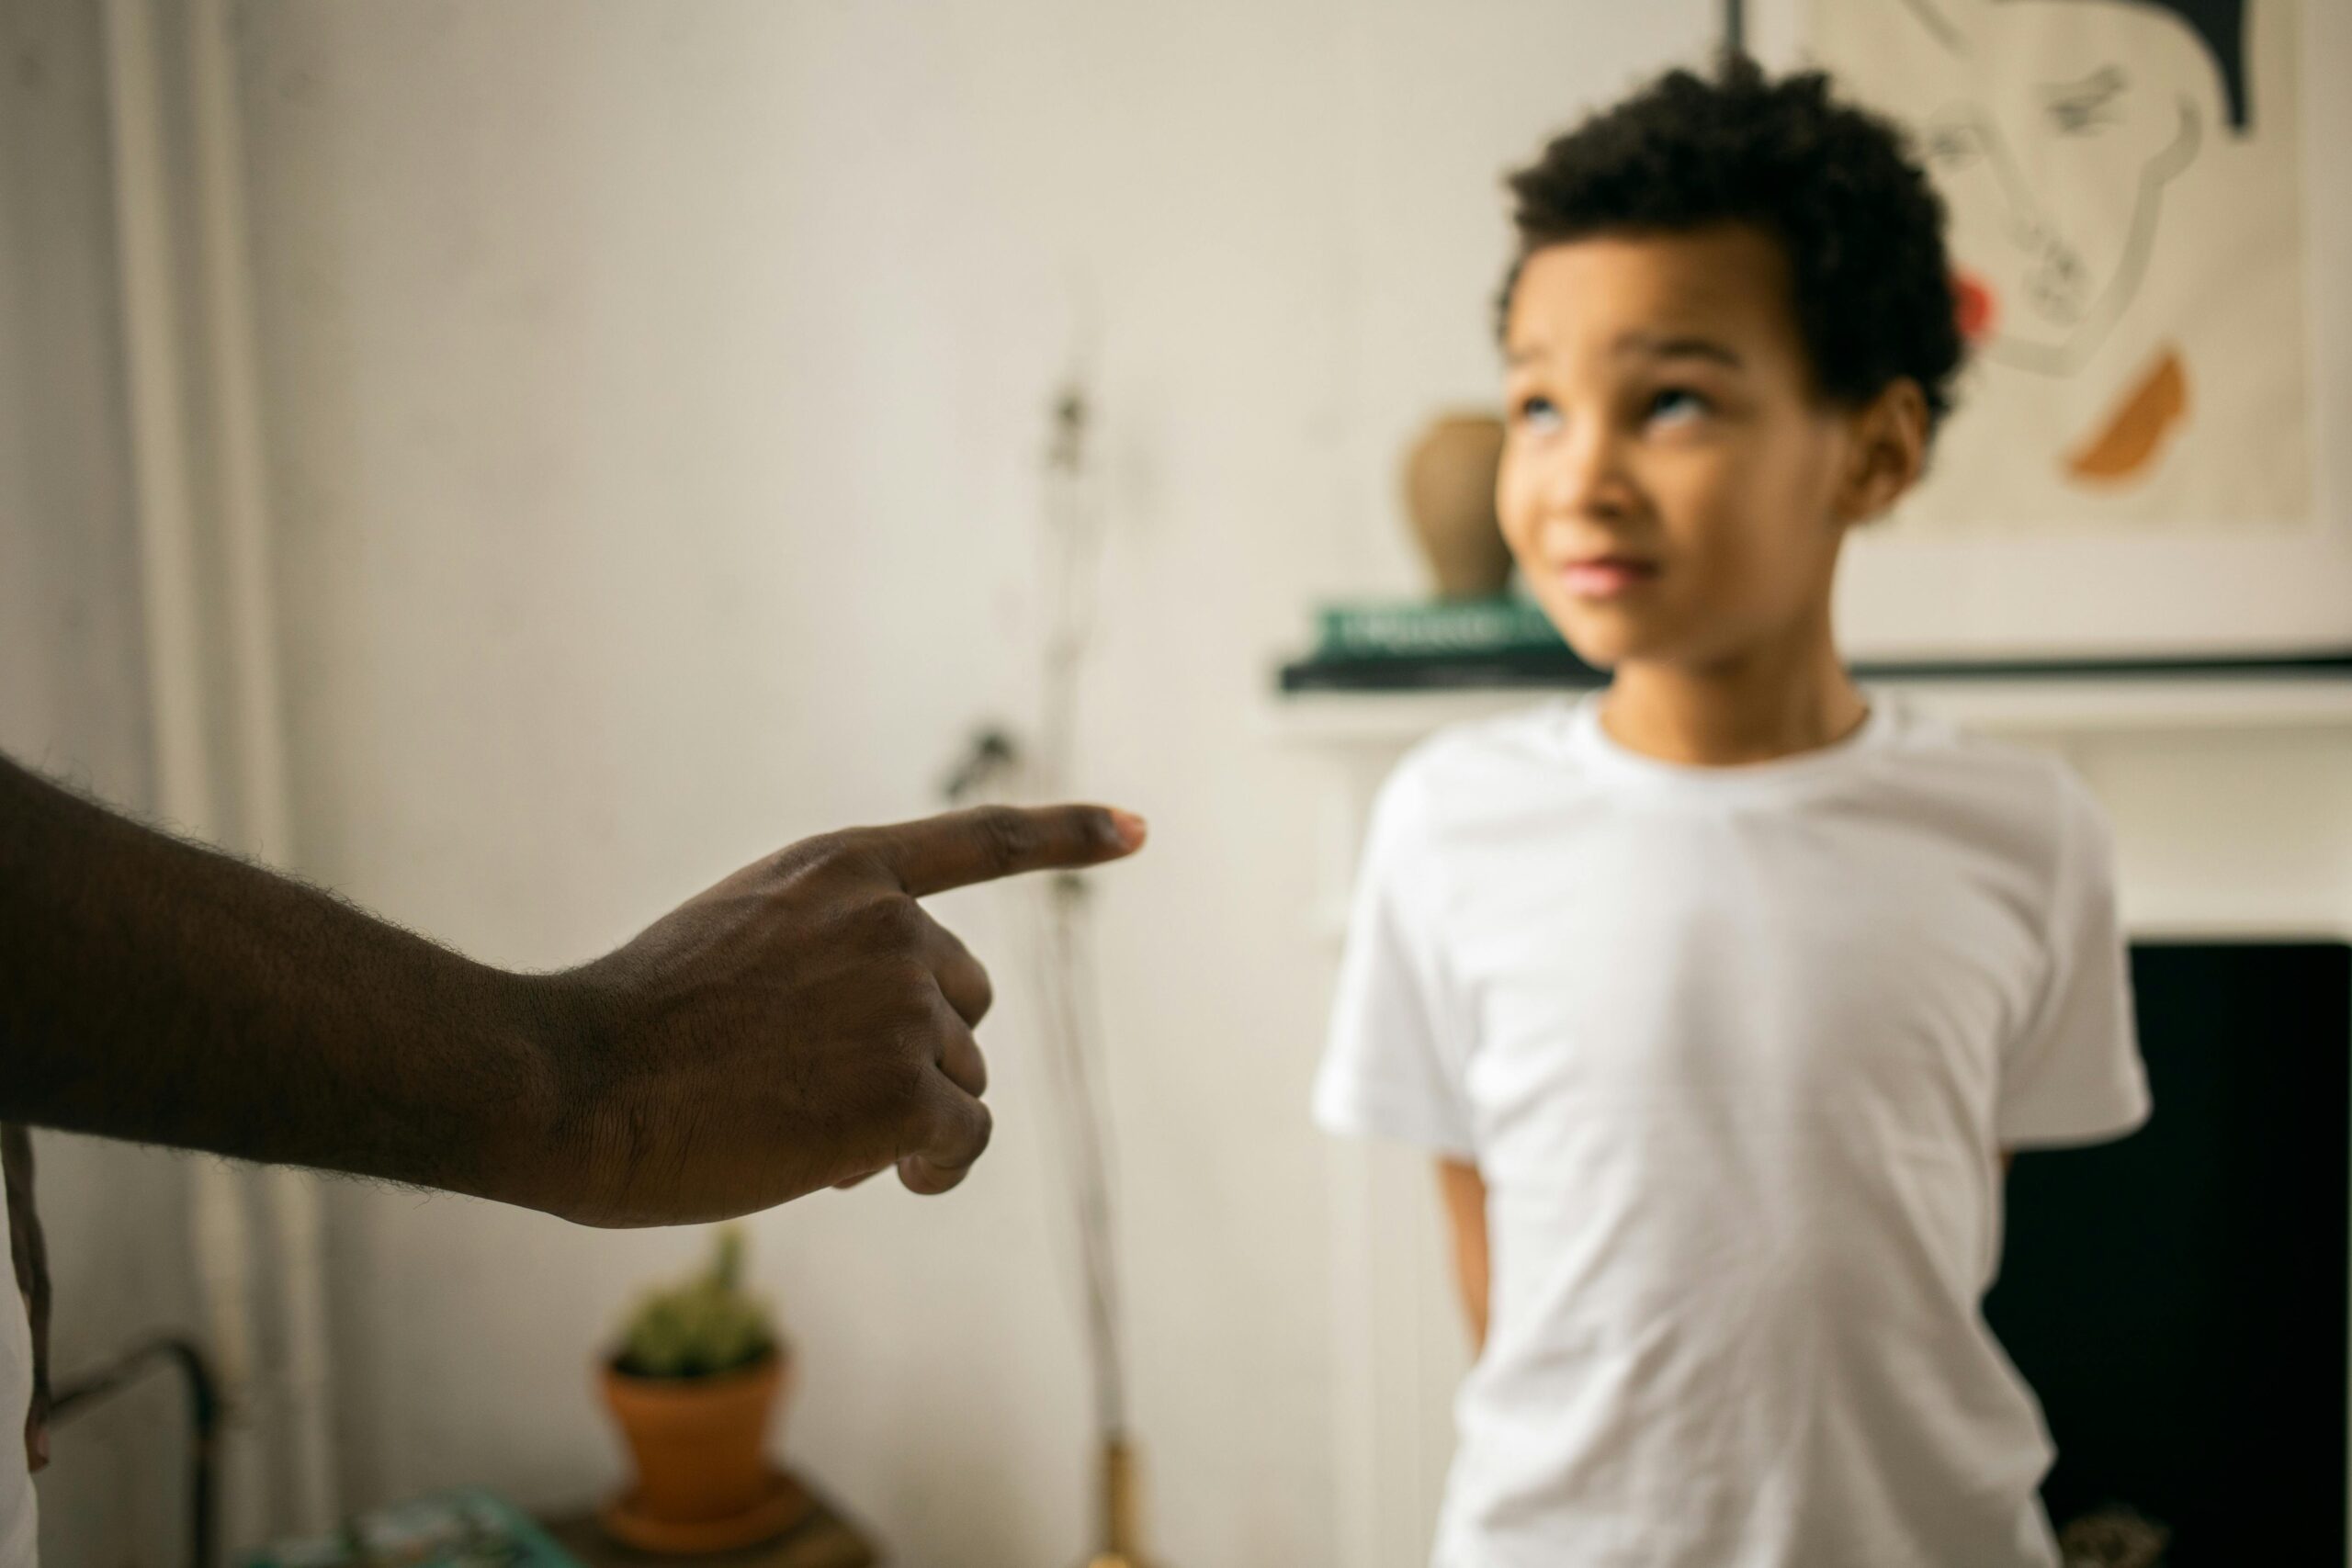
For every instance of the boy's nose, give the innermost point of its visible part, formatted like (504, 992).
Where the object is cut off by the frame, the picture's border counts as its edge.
(1587, 477)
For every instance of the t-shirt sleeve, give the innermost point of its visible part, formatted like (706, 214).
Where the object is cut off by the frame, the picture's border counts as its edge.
(2074, 1075)
(1392, 1066)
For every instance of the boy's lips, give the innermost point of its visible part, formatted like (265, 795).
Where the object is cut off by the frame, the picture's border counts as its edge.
(1607, 577)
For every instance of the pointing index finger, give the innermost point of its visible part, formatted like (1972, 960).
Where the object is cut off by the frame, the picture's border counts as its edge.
(992, 842)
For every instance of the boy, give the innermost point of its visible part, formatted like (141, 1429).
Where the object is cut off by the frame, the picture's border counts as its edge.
(1723, 997)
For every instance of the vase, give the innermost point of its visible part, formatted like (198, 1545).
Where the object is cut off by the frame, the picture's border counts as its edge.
(1449, 496)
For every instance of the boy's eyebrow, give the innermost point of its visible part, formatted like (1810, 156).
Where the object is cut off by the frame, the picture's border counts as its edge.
(1640, 343)
(1685, 347)
(1650, 345)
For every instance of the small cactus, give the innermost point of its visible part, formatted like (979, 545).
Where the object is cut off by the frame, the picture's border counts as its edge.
(701, 1329)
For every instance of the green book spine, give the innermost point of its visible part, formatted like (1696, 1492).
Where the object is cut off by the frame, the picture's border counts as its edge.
(1418, 629)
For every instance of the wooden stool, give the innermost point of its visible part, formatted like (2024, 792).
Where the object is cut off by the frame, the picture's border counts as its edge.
(824, 1539)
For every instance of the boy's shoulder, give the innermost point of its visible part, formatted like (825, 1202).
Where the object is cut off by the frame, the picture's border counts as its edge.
(1467, 771)
(1934, 752)
(1474, 761)
(1533, 736)
(1998, 801)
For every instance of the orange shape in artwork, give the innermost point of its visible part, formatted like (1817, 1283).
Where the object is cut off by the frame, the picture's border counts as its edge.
(2136, 431)
(1974, 306)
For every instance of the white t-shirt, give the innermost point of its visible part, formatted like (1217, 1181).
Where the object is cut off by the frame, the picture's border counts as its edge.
(1737, 1051)
(20, 1521)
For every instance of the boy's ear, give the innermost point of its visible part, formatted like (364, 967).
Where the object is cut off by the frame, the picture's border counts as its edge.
(1890, 451)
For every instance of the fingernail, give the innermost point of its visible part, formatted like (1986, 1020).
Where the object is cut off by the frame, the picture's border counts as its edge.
(1130, 828)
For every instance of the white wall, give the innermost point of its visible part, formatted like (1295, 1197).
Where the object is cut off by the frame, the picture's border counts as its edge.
(655, 397)
(74, 702)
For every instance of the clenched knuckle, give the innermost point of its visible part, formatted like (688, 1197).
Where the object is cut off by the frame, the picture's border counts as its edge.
(913, 1046)
(895, 921)
(894, 1090)
(914, 1007)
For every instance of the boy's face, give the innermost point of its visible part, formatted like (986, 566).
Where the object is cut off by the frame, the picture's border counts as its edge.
(1672, 485)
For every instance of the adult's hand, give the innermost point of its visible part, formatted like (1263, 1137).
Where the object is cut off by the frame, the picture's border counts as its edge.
(805, 1023)
(802, 1024)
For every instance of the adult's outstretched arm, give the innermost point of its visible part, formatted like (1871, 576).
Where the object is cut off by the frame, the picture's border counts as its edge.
(800, 1024)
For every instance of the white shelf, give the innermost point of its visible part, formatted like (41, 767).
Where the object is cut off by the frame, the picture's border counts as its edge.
(2015, 706)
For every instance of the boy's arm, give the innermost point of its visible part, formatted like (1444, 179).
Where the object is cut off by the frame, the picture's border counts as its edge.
(1465, 1207)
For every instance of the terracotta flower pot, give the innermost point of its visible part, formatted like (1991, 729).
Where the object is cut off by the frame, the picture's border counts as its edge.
(700, 1444)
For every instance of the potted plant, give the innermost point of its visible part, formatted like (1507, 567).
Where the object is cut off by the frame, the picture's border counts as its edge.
(694, 1384)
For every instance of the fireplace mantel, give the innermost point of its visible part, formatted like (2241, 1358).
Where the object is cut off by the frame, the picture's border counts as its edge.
(2042, 706)
(2232, 793)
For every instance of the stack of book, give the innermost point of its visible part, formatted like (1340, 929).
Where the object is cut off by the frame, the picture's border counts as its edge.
(455, 1530)
(1423, 645)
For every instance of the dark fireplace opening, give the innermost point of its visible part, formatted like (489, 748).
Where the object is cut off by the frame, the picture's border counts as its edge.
(2179, 1298)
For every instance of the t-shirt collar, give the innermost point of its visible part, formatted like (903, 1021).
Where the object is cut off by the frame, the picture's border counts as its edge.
(1591, 745)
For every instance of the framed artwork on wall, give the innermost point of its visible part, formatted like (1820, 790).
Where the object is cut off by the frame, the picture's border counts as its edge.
(2145, 208)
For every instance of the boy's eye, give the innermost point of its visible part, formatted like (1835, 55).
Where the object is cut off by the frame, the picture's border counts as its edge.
(1676, 405)
(1537, 413)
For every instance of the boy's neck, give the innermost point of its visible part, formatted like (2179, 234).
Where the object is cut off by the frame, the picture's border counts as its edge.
(1766, 704)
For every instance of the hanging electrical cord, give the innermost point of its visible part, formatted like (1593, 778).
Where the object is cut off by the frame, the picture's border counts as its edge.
(75, 1398)
(1073, 545)
(1071, 1028)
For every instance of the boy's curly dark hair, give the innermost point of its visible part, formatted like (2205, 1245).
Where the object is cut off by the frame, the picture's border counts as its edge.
(1835, 185)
